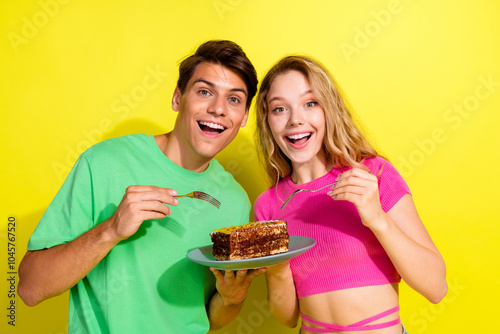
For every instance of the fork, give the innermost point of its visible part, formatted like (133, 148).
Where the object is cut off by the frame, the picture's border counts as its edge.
(331, 184)
(203, 196)
(299, 190)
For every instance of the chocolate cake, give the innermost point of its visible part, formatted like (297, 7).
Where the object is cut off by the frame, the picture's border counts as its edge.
(254, 239)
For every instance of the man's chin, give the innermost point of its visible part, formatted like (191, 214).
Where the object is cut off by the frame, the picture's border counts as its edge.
(208, 152)
(211, 149)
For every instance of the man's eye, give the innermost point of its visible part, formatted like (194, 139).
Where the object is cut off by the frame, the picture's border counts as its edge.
(234, 100)
(204, 92)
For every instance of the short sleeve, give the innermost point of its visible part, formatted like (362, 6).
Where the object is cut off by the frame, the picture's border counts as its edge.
(392, 186)
(262, 207)
(70, 213)
(245, 215)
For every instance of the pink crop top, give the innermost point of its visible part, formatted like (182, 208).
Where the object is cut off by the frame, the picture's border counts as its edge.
(347, 254)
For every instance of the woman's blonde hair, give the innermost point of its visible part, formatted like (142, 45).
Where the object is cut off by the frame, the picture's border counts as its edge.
(343, 144)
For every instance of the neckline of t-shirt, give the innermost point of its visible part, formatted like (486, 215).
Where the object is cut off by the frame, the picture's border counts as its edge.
(335, 171)
(172, 165)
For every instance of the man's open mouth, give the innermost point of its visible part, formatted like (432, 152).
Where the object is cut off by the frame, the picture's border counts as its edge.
(210, 127)
(299, 138)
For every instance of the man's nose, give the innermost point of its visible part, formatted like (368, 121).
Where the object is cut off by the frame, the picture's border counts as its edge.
(218, 106)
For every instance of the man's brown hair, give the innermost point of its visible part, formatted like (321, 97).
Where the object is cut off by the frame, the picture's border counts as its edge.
(225, 53)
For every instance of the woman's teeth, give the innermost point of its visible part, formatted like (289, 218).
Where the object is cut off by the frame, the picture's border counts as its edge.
(299, 136)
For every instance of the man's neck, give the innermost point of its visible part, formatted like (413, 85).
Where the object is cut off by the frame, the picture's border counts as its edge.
(173, 150)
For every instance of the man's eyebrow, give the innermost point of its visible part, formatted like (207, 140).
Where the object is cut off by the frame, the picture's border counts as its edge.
(211, 84)
(205, 81)
(239, 90)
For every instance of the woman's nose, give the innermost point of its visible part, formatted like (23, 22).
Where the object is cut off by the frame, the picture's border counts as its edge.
(296, 118)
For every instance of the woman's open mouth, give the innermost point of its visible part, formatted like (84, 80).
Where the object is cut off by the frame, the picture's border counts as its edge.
(299, 139)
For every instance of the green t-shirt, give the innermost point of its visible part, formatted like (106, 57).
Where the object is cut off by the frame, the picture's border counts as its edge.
(145, 284)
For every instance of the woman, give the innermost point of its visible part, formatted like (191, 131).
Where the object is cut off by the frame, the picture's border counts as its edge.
(366, 226)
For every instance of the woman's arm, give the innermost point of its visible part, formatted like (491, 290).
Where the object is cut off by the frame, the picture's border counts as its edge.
(400, 231)
(411, 250)
(282, 296)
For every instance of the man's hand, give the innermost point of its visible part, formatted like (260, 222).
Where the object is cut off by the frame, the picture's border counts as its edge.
(141, 203)
(233, 286)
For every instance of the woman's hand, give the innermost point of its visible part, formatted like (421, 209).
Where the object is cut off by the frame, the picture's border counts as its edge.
(360, 187)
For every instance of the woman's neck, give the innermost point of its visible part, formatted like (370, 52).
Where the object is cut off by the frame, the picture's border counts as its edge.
(309, 171)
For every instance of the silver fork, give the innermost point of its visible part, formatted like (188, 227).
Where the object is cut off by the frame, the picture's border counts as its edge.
(203, 196)
(313, 191)
(299, 190)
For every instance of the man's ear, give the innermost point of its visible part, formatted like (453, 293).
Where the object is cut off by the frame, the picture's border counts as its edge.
(245, 119)
(176, 99)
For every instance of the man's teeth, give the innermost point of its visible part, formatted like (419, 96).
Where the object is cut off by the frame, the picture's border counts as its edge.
(212, 125)
(299, 136)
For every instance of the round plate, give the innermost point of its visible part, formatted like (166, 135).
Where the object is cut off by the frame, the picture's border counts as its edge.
(297, 246)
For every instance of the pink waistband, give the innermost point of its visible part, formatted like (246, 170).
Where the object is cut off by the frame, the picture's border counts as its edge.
(358, 326)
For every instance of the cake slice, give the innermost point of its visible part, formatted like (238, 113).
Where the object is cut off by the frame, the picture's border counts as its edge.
(250, 240)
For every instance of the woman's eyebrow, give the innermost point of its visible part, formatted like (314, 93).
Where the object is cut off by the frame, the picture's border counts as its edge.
(275, 98)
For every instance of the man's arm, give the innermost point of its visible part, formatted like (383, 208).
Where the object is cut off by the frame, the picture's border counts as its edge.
(49, 272)
(225, 304)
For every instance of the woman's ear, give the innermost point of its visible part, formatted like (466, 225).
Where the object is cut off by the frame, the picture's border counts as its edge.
(176, 99)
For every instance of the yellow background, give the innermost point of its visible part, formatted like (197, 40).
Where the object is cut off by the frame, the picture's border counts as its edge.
(423, 78)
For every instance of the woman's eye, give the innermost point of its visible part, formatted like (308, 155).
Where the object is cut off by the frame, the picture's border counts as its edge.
(311, 104)
(278, 109)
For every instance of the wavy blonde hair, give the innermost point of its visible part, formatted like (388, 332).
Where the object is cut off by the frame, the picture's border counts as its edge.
(343, 144)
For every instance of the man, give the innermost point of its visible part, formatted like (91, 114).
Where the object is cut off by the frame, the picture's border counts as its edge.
(124, 255)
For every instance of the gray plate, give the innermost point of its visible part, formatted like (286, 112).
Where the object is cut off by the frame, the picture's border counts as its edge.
(297, 246)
